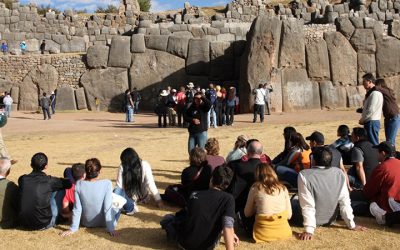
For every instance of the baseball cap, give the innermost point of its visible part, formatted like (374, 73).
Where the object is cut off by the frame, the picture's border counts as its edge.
(386, 147)
(318, 137)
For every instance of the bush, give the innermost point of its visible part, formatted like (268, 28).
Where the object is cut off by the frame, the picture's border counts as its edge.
(43, 9)
(145, 5)
(110, 9)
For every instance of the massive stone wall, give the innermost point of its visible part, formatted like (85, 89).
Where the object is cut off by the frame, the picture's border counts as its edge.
(314, 54)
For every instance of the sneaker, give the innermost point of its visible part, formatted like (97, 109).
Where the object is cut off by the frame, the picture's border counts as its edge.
(394, 205)
(378, 213)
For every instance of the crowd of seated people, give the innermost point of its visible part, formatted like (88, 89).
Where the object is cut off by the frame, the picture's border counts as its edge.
(247, 190)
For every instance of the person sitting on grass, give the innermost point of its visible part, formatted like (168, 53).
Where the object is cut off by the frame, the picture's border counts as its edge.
(74, 174)
(8, 196)
(322, 189)
(208, 214)
(298, 158)
(269, 200)
(239, 150)
(287, 134)
(93, 202)
(135, 181)
(343, 144)
(38, 191)
(213, 157)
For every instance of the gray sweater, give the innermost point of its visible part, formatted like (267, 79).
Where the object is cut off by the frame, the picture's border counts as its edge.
(321, 191)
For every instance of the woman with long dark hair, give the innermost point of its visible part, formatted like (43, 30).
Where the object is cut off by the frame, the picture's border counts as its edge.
(287, 134)
(269, 200)
(135, 181)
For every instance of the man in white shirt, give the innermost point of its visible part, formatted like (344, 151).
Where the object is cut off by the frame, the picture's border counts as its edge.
(372, 109)
(259, 102)
(8, 101)
(321, 189)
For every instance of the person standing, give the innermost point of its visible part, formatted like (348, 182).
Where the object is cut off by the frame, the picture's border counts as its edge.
(136, 97)
(128, 106)
(162, 109)
(22, 46)
(372, 109)
(45, 104)
(97, 104)
(43, 47)
(4, 48)
(211, 95)
(219, 105)
(268, 90)
(8, 101)
(53, 101)
(390, 111)
(196, 115)
(259, 102)
(171, 104)
(190, 94)
(230, 106)
(180, 107)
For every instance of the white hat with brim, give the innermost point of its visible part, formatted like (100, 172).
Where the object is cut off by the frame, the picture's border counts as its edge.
(164, 93)
(190, 85)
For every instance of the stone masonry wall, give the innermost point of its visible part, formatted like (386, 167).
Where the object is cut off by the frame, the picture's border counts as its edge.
(69, 67)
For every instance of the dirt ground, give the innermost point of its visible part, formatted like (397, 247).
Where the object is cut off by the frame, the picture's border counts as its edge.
(74, 137)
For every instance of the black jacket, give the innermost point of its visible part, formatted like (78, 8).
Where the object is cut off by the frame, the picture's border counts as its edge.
(201, 113)
(35, 191)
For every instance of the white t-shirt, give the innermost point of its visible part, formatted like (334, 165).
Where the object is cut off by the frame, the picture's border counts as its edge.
(259, 98)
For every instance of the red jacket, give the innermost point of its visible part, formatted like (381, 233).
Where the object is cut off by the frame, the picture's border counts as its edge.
(383, 183)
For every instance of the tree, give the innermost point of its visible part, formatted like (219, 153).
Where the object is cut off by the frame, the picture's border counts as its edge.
(110, 9)
(43, 9)
(145, 5)
(8, 3)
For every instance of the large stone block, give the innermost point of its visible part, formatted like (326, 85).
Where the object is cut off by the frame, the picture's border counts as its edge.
(80, 98)
(108, 85)
(260, 57)
(318, 60)
(178, 46)
(157, 42)
(198, 59)
(222, 63)
(42, 79)
(32, 45)
(155, 70)
(292, 50)
(393, 83)
(343, 59)
(276, 98)
(363, 41)
(345, 26)
(387, 56)
(120, 53)
(97, 56)
(366, 64)
(138, 44)
(298, 91)
(355, 96)
(75, 45)
(332, 97)
(15, 94)
(66, 98)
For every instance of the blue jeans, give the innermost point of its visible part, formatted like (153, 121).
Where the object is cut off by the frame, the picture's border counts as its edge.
(129, 113)
(372, 128)
(130, 203)
(391, 129)
(8, 110)
(197, 139)
(136, 107)
(56, 205)
(287, 174)
(214, 116)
